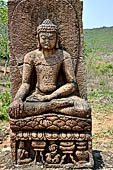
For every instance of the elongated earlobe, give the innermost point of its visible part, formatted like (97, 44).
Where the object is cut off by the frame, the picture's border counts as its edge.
(57, 42)
(38, 42)
(57, 45)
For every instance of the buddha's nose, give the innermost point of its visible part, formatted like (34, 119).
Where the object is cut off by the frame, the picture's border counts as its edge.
(47, 41)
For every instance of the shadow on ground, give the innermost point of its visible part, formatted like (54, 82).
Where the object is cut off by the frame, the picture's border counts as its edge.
(98, 160)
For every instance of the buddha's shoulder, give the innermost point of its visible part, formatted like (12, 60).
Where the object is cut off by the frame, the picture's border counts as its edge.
(64, 54)
(32, 55)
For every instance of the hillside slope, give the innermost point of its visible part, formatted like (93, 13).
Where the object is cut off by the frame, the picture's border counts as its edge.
(99, 66)
(100, 40)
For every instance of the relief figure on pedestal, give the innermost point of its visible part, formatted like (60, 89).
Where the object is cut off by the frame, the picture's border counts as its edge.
(46, 94)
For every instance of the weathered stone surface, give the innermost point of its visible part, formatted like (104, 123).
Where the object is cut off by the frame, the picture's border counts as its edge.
(51, 135)
(49, 117)
(55, 122)
(103, 161)
(24, 16)
(38, 144)
(82, 155)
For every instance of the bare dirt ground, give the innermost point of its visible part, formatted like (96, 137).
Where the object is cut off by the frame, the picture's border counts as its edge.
(102, 131)
(100, 93)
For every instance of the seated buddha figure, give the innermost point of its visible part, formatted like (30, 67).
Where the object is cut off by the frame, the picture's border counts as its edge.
(48, 62)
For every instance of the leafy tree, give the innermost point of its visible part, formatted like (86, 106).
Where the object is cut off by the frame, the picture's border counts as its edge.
(4, 46)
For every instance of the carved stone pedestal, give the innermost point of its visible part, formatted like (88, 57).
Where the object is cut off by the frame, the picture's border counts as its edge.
(63, 148)
(54, 149)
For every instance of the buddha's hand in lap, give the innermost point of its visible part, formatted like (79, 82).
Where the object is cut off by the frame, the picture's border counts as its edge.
(39, 98)
(16, 108)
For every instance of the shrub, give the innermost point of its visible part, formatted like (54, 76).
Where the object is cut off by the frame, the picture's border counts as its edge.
(5, 101)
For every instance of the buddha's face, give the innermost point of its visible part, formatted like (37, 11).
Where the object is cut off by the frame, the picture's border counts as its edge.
(47, 40)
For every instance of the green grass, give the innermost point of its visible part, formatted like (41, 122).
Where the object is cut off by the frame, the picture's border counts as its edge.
(99, 67)
(4, 96)
(104, 133)
(99, 40)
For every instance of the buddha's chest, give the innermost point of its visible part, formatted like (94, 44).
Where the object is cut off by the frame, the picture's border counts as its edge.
(47, 76)
(46, 72)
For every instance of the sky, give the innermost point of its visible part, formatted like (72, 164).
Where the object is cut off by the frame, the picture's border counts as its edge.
(97, 13)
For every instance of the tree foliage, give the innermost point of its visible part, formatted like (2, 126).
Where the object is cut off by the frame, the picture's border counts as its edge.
(4, 46)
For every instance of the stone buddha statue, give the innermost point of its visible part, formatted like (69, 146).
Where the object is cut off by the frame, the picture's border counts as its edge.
(46, 93)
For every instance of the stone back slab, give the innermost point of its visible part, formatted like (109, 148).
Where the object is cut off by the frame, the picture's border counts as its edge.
(23, 18)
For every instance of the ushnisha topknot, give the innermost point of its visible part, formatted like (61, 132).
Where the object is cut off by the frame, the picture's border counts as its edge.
(47, 25)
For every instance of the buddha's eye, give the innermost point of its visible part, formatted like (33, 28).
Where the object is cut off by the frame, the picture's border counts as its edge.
(51, 38)
(43, 37)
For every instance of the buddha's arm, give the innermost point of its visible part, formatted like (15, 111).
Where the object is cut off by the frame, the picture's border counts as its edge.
(26, 78)
(25, 86)
(63, 91)
(71, 84)
(16, 107)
